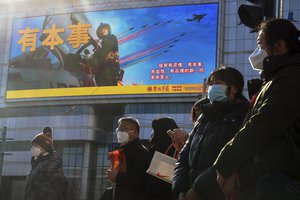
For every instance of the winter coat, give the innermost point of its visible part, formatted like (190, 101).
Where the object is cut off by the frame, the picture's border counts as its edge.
(213, 129)
(46, 179)
(270, 140)
(131, 185)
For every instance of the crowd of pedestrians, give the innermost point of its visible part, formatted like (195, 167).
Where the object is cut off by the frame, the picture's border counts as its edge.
(237, 149)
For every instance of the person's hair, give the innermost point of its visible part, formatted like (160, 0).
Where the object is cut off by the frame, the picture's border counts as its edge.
(228, 74)
(48, 130)
(160, 138)
(281, 29)
(102, 26)
(131, 120)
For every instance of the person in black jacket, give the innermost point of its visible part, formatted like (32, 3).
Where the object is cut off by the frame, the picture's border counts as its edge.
(180, 136)
(221, 117)
(46, 179)
(130, 185)
(106, 56)
(263, 159)
(157, 189)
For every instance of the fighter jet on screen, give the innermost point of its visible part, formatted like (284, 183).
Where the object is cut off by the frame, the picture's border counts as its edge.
(196, 17)
(65, 67)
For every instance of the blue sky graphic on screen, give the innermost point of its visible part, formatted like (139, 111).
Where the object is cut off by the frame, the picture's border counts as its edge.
(147, 46)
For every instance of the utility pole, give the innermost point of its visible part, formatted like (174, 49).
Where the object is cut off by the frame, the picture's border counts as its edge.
(3, 140)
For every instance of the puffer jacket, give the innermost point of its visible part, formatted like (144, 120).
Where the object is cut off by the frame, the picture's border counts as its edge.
(217, 125)
(270, 139)
(46, 179)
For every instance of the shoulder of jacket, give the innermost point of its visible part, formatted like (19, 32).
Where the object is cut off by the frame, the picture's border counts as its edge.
(290, 71)
(238, 114)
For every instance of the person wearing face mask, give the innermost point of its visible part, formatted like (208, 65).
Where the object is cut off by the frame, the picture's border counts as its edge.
(46, 178)
(180, 136)
(130, 183)
(256, 61)
(263, 159)
(222, 115)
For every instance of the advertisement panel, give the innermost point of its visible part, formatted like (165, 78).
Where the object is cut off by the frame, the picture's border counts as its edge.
(155, 50)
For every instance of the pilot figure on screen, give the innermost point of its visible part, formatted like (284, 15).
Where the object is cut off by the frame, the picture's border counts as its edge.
(106, 56)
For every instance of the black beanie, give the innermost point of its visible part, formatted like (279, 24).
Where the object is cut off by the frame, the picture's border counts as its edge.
(44, 139)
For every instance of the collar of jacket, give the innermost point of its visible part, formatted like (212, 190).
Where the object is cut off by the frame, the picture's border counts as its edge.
(273, 64)
(132, 145)
(40, 158)
(218, 110)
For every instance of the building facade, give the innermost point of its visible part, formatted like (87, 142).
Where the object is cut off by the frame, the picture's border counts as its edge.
(84, 126)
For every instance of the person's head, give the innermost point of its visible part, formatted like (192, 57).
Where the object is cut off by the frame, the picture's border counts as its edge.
(128, 130)
(160, 138)
(275, 37)
(42, 142)
(225, 84)
(197, 108)
(278, 37)
(103, 30)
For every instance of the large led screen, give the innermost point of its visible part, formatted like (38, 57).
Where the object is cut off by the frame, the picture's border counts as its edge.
(131, 51)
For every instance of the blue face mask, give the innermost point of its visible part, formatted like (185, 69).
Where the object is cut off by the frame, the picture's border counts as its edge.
(217, 93)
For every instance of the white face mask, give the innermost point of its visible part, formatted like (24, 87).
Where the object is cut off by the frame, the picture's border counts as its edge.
(256, 59)
(122, 137)
(35, 151)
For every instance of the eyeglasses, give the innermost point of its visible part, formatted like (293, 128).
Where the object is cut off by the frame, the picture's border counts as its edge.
(123, 129)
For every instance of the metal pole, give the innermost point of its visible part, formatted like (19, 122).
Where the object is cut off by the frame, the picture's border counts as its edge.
(4, 131)
(204, 88)
(279, 13)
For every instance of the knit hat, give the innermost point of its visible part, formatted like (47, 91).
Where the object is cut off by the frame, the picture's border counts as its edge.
(44, 139)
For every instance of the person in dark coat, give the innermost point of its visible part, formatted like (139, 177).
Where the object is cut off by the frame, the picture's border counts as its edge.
(157, 189)
(46, 179)
(180, 136)
(263, 158)
(106, 56)
(221, 117)
(130, 185)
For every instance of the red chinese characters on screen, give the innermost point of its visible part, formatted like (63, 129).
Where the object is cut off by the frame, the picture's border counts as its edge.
(158, 88)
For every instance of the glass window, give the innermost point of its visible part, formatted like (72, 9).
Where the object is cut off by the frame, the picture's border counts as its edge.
(101, 182)
(73, 162)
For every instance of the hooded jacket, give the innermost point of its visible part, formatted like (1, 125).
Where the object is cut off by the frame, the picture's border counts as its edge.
(213, 129)
(270, 139)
